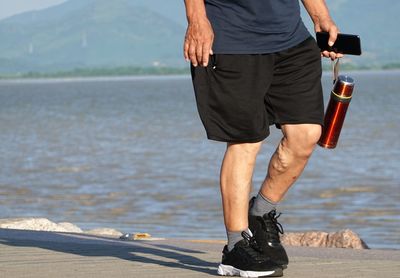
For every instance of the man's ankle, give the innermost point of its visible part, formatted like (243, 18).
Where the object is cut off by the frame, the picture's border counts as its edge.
(262, 205)
(235, 237)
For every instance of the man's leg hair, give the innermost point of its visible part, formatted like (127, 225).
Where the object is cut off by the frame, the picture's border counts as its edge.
(236, 175)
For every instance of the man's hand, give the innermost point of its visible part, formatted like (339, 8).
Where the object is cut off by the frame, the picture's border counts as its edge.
(199, 35)
(198, 41)
(319, 14)
(327, 25)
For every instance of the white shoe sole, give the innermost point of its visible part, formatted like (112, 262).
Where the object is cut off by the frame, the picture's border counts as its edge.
(227, 270)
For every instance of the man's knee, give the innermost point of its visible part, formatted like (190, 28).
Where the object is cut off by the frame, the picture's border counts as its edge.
(311, 135)
(250, 149)
(301, 139)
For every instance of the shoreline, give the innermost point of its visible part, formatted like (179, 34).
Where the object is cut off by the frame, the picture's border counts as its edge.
(111, 78)
(50, 80)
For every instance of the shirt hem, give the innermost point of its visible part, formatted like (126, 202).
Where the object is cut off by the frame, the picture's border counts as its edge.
(263, 50)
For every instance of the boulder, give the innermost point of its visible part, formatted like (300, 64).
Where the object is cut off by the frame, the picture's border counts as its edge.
(341, 239)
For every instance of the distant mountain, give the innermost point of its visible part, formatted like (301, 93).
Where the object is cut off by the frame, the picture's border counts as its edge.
(104, 33)
(90, 33)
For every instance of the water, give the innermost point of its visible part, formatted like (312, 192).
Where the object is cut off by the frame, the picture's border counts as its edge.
(131, 154)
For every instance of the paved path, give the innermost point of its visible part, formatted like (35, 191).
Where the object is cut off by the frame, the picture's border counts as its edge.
(44, 254)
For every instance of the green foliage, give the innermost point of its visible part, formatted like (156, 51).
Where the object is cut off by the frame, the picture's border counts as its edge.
(99, 72)
(392, 66)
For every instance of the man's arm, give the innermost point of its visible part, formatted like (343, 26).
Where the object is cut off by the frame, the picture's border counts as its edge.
(319, 13)
(199, 35)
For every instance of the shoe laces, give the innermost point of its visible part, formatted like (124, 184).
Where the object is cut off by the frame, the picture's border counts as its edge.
(254, 251)
(271, 225)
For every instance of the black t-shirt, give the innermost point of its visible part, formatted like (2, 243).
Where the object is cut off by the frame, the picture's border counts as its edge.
(255, 26)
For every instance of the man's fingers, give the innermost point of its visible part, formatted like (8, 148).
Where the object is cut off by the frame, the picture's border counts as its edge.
(199, 54)
(332, 55)
(332, 36)
(206, 54)
(192, 54)
(325, 54)
(186, 50)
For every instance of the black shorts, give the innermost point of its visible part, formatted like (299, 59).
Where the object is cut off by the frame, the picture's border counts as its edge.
(239, 96)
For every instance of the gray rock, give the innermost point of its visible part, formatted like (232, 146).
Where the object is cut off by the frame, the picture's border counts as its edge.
(341, 239)
(139, 236)
(104, 232)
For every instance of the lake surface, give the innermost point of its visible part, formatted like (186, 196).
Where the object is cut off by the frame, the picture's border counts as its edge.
(131, 154)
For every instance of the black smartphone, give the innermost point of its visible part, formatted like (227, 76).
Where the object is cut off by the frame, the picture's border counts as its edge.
(345, 43)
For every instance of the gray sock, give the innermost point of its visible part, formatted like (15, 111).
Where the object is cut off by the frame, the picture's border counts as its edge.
(262, 205)
(235, 237)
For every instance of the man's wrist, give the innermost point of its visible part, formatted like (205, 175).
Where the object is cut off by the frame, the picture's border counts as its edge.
(195, 10)
(319, 19)
(196, 17)
(318, 11)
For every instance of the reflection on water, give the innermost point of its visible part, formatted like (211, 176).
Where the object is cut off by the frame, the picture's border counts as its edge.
(132, 155)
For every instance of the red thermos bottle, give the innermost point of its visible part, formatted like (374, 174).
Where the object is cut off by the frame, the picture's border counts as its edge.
(336, 111)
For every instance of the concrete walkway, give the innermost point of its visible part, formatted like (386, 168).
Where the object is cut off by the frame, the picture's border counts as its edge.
(45, 254)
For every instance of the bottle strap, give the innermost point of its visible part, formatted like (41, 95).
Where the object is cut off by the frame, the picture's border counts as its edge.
(335, 69)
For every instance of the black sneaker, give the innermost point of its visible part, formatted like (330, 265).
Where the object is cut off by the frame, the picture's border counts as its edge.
(266, 230)
(247, 260)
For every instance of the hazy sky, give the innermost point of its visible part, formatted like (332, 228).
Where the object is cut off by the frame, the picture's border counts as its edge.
(11, 7)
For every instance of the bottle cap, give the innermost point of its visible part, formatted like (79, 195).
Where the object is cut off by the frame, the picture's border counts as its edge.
(343, 87)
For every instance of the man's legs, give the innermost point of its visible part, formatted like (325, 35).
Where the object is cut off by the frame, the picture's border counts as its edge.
(286, 165)
(237, 96)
